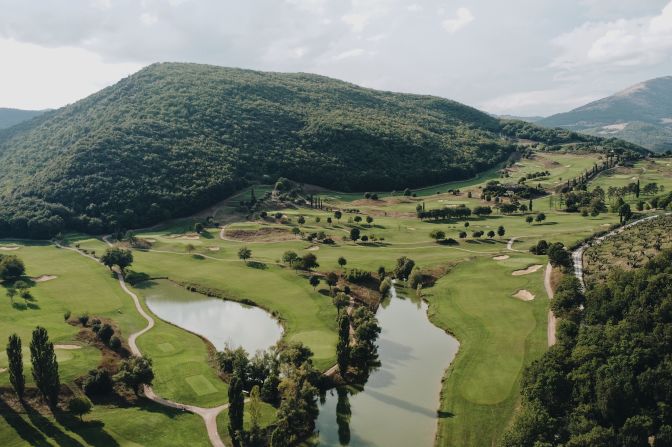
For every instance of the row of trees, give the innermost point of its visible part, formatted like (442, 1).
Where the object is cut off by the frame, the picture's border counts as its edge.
(44, 366)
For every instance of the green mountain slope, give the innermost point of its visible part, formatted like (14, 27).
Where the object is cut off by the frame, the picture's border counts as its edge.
(641, 114)
(174, 138)
(11, 117)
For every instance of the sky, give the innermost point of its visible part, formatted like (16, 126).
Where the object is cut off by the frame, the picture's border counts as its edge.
(520, 57)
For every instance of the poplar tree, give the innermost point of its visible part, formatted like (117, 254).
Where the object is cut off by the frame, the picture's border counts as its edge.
(236, 409)
(45, 366)
(343, 346)
(15, 359)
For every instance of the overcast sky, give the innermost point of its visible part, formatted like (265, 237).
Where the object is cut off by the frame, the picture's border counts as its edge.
(523, 57)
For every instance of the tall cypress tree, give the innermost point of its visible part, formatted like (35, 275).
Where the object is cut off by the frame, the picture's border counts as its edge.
(236, 409)
(15, 358)
(45, 366)
(343, 346)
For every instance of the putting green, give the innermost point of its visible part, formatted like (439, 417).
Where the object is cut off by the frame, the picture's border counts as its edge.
(200, 385)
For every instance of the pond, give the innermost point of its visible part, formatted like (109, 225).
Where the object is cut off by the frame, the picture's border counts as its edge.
(221, 322)
(398, 405)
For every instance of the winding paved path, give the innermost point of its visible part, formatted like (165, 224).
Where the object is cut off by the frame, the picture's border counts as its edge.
(209, 415)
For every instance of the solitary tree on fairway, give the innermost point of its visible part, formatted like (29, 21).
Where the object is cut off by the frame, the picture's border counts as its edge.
(291, 258)
(540, 217)
(236, 409)
(301, 220)
(342, 261)
(79, 406)
(15, 367)
(529, 219)
(354, 234)
(501, 231)
(244, 253)
(309, 261)
(491, 234)
(117, 256)
(369, 219)
(314, 281)
(338, 215)
(45, 366)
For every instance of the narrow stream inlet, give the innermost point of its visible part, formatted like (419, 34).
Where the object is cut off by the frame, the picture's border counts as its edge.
(398, 406)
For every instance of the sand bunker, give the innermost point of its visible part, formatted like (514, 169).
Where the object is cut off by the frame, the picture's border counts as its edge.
(67, 347)
(190, 237)
(213, 248)
(501, 257)
(44, 278)
(2, 370)
(524, 295)
(527, 271)
(313, 248)
(13, 247)
(150, 240)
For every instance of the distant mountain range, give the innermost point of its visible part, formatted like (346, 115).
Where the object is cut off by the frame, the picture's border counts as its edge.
(11, 117)
(641, 114)
(529, 119)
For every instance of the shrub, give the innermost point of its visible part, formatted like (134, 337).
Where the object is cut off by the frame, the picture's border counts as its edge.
(115, 343)
(105, 333)
(134, 278)
(97, 382)
(357, 275)
(66, 315)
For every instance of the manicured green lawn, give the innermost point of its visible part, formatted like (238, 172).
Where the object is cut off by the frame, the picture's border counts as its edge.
(498, 336)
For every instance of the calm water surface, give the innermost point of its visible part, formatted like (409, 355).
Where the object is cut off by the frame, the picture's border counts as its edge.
(221, 322)
(399, 402)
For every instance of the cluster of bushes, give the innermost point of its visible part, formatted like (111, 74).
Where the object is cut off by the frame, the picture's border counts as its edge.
(104, 331)
(496, 189)
(357, 276)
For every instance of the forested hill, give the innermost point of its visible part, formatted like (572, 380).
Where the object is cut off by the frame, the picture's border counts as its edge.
(174, 138)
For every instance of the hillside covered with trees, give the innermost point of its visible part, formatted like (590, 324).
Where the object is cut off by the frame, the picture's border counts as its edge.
(175, 138)
(608, 380)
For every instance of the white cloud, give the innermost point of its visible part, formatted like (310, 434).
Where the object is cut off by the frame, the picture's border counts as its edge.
(618, 43)
(53, 76)
(463, 17)
(148, 19)
(414, 7)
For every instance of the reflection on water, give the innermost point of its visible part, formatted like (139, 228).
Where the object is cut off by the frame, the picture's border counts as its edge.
(398, 404)
(221, 322)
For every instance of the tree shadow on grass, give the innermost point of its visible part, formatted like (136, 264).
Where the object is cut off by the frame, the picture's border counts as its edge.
(48, 428)
(445, 414)
(22, 428)
(91, 431)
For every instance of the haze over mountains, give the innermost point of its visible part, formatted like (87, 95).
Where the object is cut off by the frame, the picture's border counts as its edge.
(11, 117)
(641, 114)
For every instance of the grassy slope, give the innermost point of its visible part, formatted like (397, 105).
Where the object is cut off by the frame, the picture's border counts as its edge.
(498, 336)
(84, 286)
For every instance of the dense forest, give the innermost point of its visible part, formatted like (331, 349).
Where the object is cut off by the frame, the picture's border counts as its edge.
(608, 380)
(175, 138)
